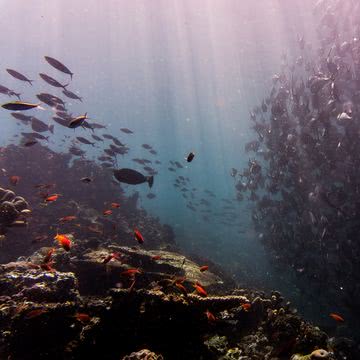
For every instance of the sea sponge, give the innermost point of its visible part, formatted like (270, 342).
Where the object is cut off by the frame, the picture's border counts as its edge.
(315, 355)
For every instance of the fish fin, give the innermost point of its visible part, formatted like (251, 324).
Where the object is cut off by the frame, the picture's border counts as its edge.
(64, 86)
(30, 81)
(150, 180)
(71, 75)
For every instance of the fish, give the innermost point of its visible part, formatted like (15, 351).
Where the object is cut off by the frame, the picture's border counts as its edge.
(58, 65)
(35, 313)
(14, 180)
(82, 317)
(181, 287)
(48, 256)
(22, 117)
(210, 316)
(38, 125)
(61, 121)
(337, 317)
(19, 106)
(51, 81)
(67, 218)
(246, 307)
(138, 237)
(151, 196)
(71, 95)
(115, 205)
(190, 157)
(86, 180)
(84, 141)
(200, 290)
(131, 272)
(52, 198)
(107, 212)
(146, 146)
(19, 76)
(34, 135)
(78, 121)
(156, 257)
(64, 241)
(6, 91)
(132, 177)
(126, 131)
(204, 268)
(30, 143)
(97, 138)
(111, 256)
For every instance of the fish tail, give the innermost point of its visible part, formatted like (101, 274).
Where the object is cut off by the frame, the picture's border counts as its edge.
(30, 82)
(18, 96)
(64, 86)
(71, 75)
(150, 180)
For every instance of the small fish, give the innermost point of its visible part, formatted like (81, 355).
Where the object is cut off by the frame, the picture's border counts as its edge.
(38, 125)
(51, 81)
(35, 313)
(131, 272)
(181, 287)
(19, 106)
(138, 237)
(14, 179)
(58, 65)
(71, 95)
(210, 316)
(151, 196)
(107, 212)
(156, 257)
(19, 76)
(337, 317)
(84, 141)
(200, 290)
(48, 256)
(67, 218)
(86, 180)
(110, 257)
(204, 268)
(126, 131)
(246, 307)
(82, 317)
(52, 198)
(133, 177)
(64, 241)
(190, 157)
(115, 205)
(19, 116)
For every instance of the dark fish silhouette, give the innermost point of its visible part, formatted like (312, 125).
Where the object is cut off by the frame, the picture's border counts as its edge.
(34, 135)
(38, 125)
(97, 138)
(190, 157)
(30, 143)
(19, 76)
(71, 95)
(6, 91)
(21, 117)
(151, 196)
(84, 141)
(126, 131)
(61, 121)
(58, 65)
(78, 121)
(132, 177)
(19, 106)
(146, 146)
(51, 81)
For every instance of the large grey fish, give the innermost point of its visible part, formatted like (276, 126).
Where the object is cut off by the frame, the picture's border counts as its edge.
(22, 117)
(38, 125)
(84, 141)
(71, 95)
(6, 91)
(58, 65)
(132, 177)
(61, 121)
(19, 76)
(34, 135)
(51, 81)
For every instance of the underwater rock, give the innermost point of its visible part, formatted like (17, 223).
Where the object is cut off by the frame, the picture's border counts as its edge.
(315, 355)
(217, 345)
(143, 355)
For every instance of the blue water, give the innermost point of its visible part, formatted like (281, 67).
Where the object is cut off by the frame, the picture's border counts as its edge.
(183, 75)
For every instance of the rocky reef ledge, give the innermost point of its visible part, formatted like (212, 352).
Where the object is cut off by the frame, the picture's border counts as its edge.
(127, 303)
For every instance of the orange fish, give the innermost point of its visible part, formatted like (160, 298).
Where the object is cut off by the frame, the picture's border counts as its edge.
(204, 268)
(110, 257)
(115, 205)
(138, 236)
(246, 306)
(131, 272)
(64, 241)
(210, 316)
(200, 290)
(14, 179)
(47, 266)
(156, 257)
(52, 198)
(182, 288)
(82, 317)
(67, 218)
(48, 256)
(34, 313)
(337, 317)
(107, 212)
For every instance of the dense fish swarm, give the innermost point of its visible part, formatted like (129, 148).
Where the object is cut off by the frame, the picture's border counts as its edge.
(303, 176)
